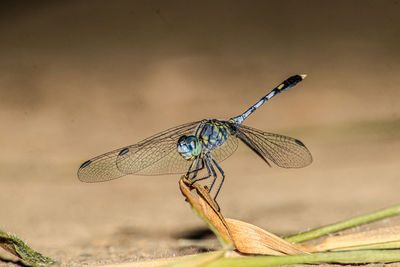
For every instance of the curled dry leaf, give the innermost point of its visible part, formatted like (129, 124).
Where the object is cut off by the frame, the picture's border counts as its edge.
(251, 239)
(245, 237)
(208, 212)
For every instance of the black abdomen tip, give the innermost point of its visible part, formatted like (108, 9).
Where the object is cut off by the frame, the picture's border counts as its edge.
(293, 80)
(290, 82)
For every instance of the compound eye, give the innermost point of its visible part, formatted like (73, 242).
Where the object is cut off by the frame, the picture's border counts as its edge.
(191, 140)
(193, 145)
(182, 140)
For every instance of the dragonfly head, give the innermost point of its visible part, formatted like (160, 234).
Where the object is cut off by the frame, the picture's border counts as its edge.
(189, 147)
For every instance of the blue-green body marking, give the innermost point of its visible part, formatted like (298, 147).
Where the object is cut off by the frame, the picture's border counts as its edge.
(192, 147)
(212, 133)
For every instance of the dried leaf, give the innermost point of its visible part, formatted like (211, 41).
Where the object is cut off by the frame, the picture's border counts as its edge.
(245, 237)
(206, 211)
(251, 239)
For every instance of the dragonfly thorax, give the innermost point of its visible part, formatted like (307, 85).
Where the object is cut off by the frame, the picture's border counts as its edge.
(213, 133)
(189, 147)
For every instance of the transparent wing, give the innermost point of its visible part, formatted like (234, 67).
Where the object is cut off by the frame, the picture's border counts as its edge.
(157, 154)
(100, 168)
(284, 151)
(228, 148)
(167, 160)
(157, 151)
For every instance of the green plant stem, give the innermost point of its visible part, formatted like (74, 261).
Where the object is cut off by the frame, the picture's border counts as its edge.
(389, 245)
(366, 256)
(197, 260)
(345, 224)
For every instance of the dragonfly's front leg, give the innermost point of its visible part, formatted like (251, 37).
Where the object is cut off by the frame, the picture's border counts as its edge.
(205, 161)
(196, 162)
(194, 179)
(211, 171)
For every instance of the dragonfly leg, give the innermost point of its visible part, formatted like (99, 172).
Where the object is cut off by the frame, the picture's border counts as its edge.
(196, 170)
(205, 177)
(222, 180)
(213, 173)
(215, 179)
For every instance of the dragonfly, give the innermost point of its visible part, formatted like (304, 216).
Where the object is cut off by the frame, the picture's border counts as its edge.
(201, 145)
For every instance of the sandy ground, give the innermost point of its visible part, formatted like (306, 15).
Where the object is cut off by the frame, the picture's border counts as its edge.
(78, 80)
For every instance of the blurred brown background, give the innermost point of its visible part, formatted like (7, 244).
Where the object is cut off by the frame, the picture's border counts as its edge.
(80, 78)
